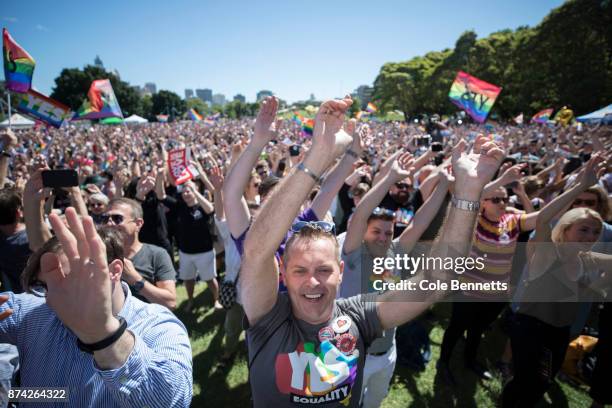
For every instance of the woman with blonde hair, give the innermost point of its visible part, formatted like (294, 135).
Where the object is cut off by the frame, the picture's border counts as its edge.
(562, 271)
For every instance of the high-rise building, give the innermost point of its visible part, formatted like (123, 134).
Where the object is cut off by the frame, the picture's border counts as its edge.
(204, 94)
(240, 98)
(98, 62)
(218, 99)
(150, 87)
(188, 93)
(364, 92)
(263, 94)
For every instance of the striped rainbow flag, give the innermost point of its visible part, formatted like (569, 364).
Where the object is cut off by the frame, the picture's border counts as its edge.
(308, 126)
(18, 65)
(194, 115)
(371, 107)
(542, 116)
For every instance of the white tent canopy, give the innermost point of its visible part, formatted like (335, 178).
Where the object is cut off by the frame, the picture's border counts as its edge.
(603, 115)
(135, 119)
(17, 122)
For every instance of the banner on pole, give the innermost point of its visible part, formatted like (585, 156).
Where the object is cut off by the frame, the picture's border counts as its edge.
(43, 108)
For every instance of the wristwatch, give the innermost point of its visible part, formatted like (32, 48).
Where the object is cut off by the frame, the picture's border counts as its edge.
(137, 287)
(465, 205)
(303, 168)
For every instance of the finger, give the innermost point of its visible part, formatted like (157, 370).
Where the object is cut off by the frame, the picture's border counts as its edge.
(97, 249)
(350, 127)
(480, 140)
(6, 313)
(458, 149)
(51, 270)
(76, 227)
(65, 237)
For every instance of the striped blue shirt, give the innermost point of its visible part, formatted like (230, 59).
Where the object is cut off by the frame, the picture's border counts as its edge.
(158, 372)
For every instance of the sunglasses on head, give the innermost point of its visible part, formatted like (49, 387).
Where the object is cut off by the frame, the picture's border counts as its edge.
(497, 200)
(384, 212)
(324, 226)
(115, 218)
(588, 203)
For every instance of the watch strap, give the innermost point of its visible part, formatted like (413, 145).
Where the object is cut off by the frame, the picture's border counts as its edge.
(465, 205)
(310, 173)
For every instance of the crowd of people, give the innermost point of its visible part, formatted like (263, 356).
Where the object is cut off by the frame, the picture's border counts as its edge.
(296, 224)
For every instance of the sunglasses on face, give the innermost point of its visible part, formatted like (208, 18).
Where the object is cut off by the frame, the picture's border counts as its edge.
(587, 203)
(497, 200)
(117, 219)
(402, 186)
(324, 226)
(383, 211)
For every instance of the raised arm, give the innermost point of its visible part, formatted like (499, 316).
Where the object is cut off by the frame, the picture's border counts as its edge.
(510, 175)
(333, 182)
(259, 273)
(8, 140)
(550, 210)
(425, 214)
(265, 129)
(216, 180)
(357, 226)
(33, 203)
(206, 205)
(472, 172)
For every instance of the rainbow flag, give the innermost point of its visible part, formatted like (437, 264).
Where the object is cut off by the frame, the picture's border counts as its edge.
(542, 116)
(18, 65)
(308, 126)
(43, 108)
(298, 118)
(162, 118)
(371, 108)
(473, 95)
(100, 103)
(194, 115)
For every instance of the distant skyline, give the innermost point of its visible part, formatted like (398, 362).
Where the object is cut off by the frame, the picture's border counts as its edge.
(327, 48)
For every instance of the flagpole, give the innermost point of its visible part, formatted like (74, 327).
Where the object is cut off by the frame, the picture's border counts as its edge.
(8, 95)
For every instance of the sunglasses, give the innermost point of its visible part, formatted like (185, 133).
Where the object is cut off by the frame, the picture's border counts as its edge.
(497, 200)
(324, 226)
(117, 219)
(402, 186)
(384, 212)
(588, 203)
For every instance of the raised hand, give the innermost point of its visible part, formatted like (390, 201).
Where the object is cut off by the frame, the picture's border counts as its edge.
(362, 139)
(329, 139)
(34, 190)
(265, 125)
(589, 175)
(402, 167)
(8, 139)
(472, 171)
(78, 279)
(216, 178)
(146, 184)
(513, 173)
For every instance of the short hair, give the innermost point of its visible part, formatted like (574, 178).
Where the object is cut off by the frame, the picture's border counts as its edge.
(306, 235)
(266, 185)
(112, 238)
(533, 184)
(570, 218)
(360, 189)
(134, 205)
(10, 202)
(603, 202)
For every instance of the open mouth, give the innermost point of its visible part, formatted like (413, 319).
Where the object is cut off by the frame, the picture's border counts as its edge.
(313, 298)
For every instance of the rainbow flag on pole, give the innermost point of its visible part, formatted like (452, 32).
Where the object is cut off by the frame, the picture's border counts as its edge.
(194, 115)
(101, 102)
(542, 116)
(473, 95)
(308, 126)
(371, 108)
(18, 65)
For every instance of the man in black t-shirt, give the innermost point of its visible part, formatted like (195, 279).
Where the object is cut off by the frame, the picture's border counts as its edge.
(195, 241)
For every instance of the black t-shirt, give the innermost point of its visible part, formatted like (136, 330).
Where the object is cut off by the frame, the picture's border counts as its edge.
(404, 211)
(155, 228)
(14, 253)
(193, 226)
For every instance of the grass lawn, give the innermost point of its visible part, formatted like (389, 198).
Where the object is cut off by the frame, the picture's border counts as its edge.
(215, 387)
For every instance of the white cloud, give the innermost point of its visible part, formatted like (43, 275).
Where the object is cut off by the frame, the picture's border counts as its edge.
(41, 27)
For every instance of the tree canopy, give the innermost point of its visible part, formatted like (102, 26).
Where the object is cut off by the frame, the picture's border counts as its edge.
(565, 60)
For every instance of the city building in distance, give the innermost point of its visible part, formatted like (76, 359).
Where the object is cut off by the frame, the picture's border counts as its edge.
(188, 93)
(239, 98)
(218, 99)
(204, 94)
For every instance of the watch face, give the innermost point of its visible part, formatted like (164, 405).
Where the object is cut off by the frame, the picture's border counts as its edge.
(139, 285)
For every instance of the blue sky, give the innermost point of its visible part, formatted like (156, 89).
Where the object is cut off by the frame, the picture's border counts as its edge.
(292, 48)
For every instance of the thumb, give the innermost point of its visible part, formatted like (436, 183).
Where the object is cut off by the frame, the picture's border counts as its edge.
(350, 127)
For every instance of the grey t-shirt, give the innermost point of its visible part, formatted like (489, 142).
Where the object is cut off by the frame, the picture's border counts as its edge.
(295, 363)
(153, 264)
(357, 278)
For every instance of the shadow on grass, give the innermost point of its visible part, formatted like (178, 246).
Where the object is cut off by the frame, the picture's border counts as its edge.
(208, 377)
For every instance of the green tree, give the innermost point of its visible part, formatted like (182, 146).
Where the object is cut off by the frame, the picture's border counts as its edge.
(197, 104)
(169, 103)
(72, 85)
